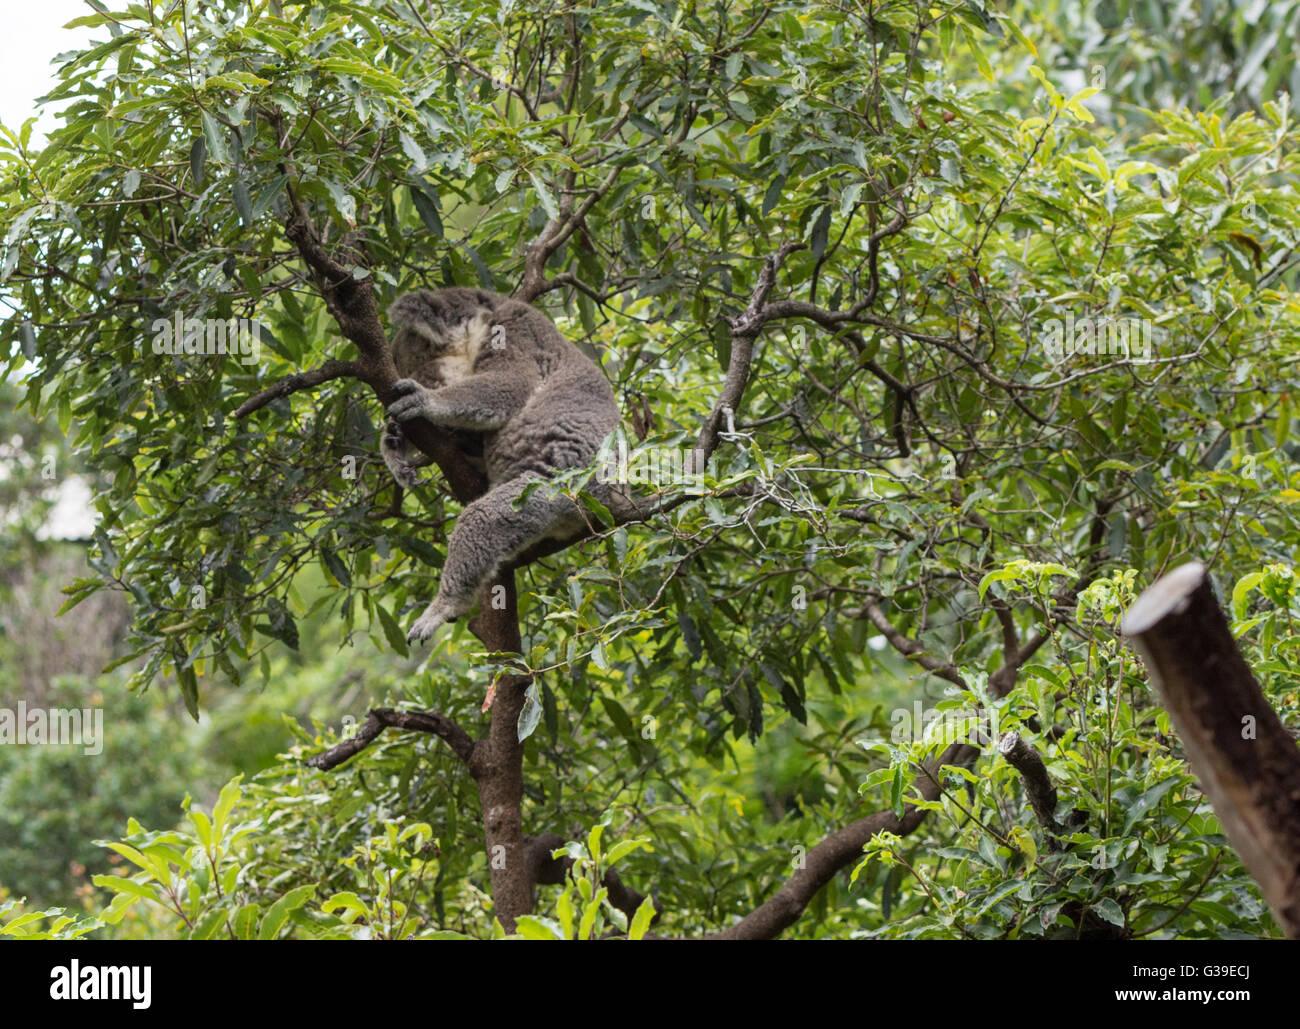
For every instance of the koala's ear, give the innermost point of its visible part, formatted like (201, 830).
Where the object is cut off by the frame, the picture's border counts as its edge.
(406, 310)
(417, 314)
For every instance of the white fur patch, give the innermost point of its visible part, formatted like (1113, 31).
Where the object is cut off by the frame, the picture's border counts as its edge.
(463, 345)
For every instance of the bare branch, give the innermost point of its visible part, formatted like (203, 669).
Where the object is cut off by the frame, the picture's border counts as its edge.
(382, 718)
(1033, 773)
(909, 648)
(553, 236)
(744, 331)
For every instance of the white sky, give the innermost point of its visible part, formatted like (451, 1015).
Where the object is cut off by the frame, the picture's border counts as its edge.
(32, 35)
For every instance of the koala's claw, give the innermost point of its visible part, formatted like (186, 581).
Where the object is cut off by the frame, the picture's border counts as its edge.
(425, 626)
(411, 400)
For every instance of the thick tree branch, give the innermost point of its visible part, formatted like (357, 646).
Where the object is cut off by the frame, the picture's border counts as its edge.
(1033, 773)
(835, 852)
(1245, 760)
(349, 297)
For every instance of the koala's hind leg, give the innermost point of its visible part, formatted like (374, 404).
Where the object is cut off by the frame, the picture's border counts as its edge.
(490, 532)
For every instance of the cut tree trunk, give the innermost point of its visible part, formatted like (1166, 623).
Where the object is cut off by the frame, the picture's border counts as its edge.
(1245, 760)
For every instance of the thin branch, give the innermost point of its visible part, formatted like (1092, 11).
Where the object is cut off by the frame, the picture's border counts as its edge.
(332, 369)
(744, 332)
(381, 718)
(909, 648)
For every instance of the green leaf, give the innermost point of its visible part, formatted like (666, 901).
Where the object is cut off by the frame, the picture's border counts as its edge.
(198, 160)
(641, 920)
(279, 912)
(226, 801)
(623, 848)
(1107, 910)
(392, 632)
(534, 927)
(346, 901)
(549, 205)
(820, 235)
(530, 714)
(899, 111)
(619, 716)
(427, 208)
(243, 205)
(245, 921)
(214, 134)
(336, 567)
(896, 793)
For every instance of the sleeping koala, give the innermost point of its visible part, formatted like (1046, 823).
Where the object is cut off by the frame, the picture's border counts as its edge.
(495, 370)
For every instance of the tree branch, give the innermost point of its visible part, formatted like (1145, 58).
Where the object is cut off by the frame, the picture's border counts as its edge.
(382, 718)
(1245, 760)
(744, 332)
(332, 369)
(909, 648)
(1038, 784)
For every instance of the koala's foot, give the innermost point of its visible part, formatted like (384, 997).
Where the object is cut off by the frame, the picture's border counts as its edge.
(393, 449)
(413, 400)
(406, 475)
(428, 623)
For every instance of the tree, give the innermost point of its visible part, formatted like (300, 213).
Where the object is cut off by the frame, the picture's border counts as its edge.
(962, 364)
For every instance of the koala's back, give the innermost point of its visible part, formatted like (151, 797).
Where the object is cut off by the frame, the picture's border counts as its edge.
(560, 427)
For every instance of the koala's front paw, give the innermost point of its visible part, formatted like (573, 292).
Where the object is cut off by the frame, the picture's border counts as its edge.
(426, 625)
(412, 401)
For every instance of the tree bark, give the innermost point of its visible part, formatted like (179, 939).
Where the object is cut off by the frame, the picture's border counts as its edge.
(497, 765)
(1246, 761)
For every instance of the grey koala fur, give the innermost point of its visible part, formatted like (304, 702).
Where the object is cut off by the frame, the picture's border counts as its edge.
(489, 367)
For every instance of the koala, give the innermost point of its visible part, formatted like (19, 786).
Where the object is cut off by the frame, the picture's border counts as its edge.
(519, 397)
